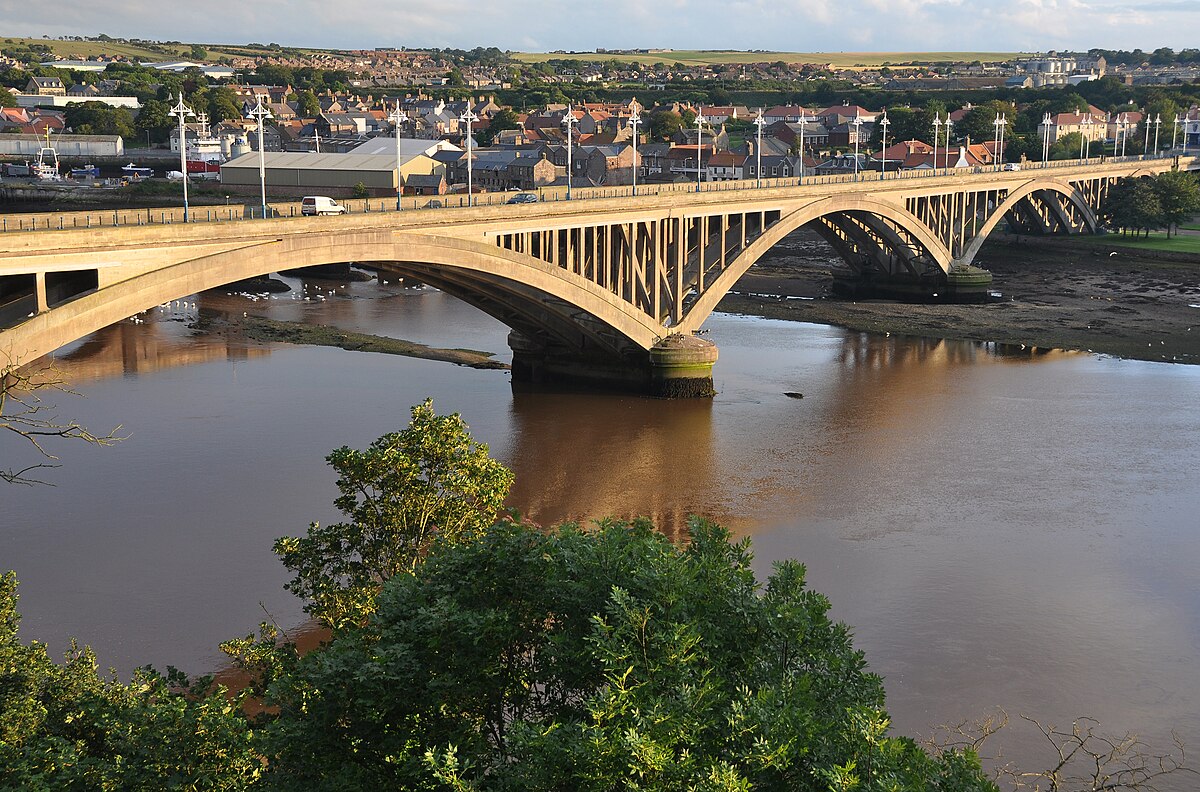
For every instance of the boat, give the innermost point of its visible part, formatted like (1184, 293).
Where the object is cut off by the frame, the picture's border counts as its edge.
(86, 172)
(204, 153)
(45, 168)
(137, 171)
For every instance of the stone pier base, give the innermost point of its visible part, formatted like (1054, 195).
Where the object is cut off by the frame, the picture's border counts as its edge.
(679, 367)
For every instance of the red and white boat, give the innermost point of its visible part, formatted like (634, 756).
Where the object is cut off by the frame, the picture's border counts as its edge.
(204, 153)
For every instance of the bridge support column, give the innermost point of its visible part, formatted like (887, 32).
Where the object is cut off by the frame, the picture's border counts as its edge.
(43, 304)
(677, 367)
(681, 368)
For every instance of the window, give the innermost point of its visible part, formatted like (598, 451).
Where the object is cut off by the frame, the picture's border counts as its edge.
(774, 170)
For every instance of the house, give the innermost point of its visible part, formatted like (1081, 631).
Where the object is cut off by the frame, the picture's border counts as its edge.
(46, 86)
(774, 166)
(1092, 125)
(425, 184)
(605, 164)
(83, 92)
(791, 113)
(725, 166)
(531, 172)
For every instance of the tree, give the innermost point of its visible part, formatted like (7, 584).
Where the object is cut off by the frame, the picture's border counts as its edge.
(307, 105)
(97, 118)
(223, 105)
(1178, 197)
(26, 417)
(596, 660)
(504, 119)
(1133, 205)
(665, 124)
(64, 727)
(430, 480)
(155, 118)
(198, 52)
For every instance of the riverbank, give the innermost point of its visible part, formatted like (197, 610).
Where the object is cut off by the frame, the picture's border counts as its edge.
(1095, 297)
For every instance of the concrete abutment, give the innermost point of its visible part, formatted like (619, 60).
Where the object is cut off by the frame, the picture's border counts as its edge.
(678, 367)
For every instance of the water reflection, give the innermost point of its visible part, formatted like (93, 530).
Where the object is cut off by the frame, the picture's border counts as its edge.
(579, 456)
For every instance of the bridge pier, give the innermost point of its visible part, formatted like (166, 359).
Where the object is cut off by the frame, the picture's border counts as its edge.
(679, 367)
(964, 283)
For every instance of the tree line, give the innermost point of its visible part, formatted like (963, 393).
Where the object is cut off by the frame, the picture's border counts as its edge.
(1142, 205)
(471, 650)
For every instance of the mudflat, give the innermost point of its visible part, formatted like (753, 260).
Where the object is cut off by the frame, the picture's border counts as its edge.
(1086, 296)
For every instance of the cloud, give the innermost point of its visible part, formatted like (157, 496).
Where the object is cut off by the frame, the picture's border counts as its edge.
(816, 25)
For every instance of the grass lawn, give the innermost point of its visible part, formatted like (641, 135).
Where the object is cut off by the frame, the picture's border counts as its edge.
(706, 57)
(91, 49)
(1156, 241)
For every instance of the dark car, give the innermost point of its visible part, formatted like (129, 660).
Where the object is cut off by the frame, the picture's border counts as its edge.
(523, 198)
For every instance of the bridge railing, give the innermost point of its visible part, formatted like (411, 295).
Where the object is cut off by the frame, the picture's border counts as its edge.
(58, 221)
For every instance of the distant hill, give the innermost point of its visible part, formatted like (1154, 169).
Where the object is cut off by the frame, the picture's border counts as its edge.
(708, 57)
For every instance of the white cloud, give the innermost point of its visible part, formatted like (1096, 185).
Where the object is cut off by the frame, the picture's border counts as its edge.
(815, 25)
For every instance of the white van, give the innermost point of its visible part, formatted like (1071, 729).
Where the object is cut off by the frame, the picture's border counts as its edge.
(320, 205)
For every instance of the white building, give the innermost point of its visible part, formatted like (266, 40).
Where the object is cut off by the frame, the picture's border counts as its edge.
(43, 100)
(66, 145)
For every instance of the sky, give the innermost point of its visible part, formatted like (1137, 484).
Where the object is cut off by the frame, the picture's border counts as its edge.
(546, 25)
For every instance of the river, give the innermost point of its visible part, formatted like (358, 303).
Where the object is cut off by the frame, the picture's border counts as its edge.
(1002, 529)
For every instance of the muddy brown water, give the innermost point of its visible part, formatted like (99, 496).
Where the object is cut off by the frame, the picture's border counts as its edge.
(1002, 529)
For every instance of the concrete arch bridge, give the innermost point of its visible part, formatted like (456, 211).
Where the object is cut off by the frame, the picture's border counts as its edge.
(597, 288)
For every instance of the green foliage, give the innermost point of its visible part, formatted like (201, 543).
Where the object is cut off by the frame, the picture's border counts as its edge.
(1146, 204)
(223, 105)
(504, 119)
(307, 105)
(360, 190)
(198, 52)
(1178, 196)
(97, 118)
(596, 660)
(155, 118)
(64, 727)
(430, 480)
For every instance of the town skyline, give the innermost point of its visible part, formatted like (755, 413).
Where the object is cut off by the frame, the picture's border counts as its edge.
(538, 26)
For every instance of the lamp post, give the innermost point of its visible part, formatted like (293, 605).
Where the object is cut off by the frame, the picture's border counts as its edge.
(1124, 127)
(1045, 139)
(699, 146)
(1000, 122)
(1146, 134)
(800, 180)
(182, 111)
(469, 118)
(1157, 125)
(1087, 137)
(1184, 124)
(883, 142)
(857, 124)
(260, 114)
(397, 117)
(759, 121)
(569, 121)
(937, 130)
(946, 162)
(634, 120)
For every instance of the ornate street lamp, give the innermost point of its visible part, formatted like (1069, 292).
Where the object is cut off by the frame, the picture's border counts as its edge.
(397, 117)
(469, 118)
(949, 124)
(800, 180)
(1157, 125)
(937, 130)
(1045, 138)
(883, 142)
(857, 124)
(759, 121)
(634, 120)
(1000, 122)
(1175, 131)
(260, 114)
(699, 145)
(569, 121)
(182, 111)
(1087, 138)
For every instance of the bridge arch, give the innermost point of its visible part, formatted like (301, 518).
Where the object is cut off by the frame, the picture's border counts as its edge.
(868, 210)
(1015, 197)
(515, 288)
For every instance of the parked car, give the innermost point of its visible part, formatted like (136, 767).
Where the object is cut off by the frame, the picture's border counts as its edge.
(1012, 166)
(524, 197)
(320, 205)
